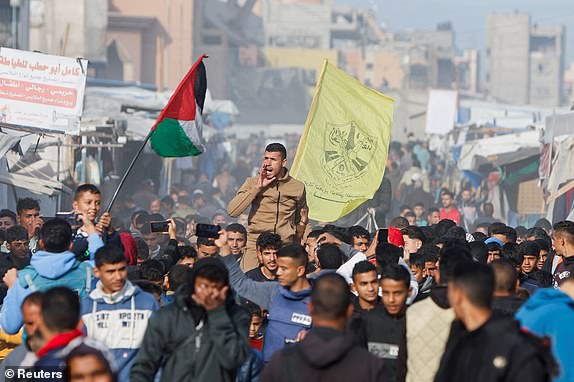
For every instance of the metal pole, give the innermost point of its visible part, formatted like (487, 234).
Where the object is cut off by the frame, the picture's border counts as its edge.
(59, 200)
(114, 197)
(84, 158)
(14, 26)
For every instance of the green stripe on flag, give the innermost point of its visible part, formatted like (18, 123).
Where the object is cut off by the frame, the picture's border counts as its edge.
(170, 140)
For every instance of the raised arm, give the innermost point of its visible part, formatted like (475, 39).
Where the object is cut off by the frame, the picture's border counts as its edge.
(243, 198)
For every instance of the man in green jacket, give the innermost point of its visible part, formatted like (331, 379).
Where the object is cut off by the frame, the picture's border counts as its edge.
(202, 336)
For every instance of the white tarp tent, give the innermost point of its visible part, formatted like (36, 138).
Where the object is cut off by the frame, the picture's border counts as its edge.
(501, 149)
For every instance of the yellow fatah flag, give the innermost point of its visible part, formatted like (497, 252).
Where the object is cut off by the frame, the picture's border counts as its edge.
(343, 151)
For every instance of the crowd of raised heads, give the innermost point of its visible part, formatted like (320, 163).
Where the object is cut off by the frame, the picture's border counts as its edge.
(233, 282)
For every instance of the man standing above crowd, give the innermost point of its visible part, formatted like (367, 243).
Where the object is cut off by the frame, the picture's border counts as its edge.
(277, 201)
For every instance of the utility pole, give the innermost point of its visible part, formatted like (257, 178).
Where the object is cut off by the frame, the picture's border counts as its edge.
(15, 4)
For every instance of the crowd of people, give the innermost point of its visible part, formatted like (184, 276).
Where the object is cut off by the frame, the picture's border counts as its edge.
(443, 291)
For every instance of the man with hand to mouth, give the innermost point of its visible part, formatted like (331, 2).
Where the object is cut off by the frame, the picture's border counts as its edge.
(278, 203)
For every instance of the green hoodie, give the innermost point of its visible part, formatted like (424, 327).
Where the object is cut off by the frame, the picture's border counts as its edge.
(188, 343)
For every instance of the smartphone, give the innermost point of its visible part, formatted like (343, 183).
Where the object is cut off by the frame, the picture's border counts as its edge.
(46, 218)
(207, 230)
(383, 236)
(70, 217)
(159, 226)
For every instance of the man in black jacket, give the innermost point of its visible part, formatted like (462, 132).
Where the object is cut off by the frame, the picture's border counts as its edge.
(326, 353)
(18, 245)
(505, 303)
(379, 323)
(202, 336)
(482, 348)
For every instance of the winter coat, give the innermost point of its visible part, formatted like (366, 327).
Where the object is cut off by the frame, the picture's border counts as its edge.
(324, 355)
(550, 313)
(119, 322)
(497, 351)
(191, 344)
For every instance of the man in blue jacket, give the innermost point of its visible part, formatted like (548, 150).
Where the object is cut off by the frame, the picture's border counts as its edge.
(116, 312)
(550, 313)
(286, 300)
(53, 265)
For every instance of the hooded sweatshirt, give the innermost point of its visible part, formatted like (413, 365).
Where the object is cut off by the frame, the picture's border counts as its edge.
(288, 313)
(550, 312)
(46, 270)
(324, 355)
(118, 321)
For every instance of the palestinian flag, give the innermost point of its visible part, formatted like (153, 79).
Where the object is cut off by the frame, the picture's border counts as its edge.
(177, 131)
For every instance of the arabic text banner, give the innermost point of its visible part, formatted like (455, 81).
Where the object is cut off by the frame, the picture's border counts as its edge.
(41, 90)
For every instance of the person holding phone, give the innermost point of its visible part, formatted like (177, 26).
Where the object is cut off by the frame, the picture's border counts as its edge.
(93, 229)
(278, 203)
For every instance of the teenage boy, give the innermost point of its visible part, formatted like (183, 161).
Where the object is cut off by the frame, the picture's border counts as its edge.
(361, 238)
(116, 312)
(18, 255)
(87, 202)
(285, 300)
(380, 321)
(267, 246)
(28, 210)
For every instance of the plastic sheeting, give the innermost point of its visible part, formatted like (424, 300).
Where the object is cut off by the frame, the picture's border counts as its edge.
(500, 150)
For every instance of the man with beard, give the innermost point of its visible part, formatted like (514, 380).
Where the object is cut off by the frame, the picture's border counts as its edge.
(278, 203)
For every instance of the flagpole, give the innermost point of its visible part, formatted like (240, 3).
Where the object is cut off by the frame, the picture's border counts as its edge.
(128, 171)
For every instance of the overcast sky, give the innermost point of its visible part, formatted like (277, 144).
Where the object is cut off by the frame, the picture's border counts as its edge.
(469, 16)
